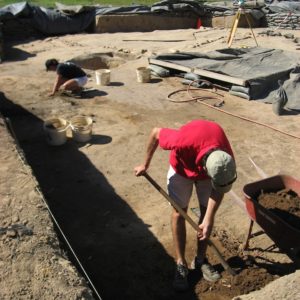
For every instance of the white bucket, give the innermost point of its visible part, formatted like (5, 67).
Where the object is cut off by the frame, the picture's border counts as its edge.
(56, 131)
(82, 128)
(103, 77)
(143, 74)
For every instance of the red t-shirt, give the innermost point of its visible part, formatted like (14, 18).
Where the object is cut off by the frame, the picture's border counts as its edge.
(190, 143)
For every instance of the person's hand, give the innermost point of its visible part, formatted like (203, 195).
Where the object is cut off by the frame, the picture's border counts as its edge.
(51, 94)
(140, 170)
(204, 231)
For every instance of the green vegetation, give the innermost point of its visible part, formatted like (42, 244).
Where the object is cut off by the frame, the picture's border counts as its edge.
(51, 3)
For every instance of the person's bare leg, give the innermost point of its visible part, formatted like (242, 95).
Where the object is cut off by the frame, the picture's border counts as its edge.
(215, 197)
(57, 85)
(71, 85)
(201, 245)
(208, 272)
(179, 236)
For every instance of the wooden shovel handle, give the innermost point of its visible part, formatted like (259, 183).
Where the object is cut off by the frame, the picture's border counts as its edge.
(191, 222)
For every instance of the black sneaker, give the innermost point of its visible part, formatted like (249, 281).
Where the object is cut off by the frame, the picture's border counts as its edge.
(180, 282)
(208, 272)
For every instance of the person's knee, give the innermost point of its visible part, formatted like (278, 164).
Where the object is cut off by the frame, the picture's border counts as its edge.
(70, 84)
(177, 217)
(63, 87)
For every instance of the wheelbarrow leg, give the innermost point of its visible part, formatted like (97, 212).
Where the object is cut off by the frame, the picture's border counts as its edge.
(246, 246)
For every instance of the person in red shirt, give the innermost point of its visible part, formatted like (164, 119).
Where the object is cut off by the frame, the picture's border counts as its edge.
(200, 157)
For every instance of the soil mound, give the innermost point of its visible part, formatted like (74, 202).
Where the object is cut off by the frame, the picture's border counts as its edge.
(285, 204)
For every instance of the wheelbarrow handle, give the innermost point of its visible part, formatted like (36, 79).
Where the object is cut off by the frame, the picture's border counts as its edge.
(191, 222)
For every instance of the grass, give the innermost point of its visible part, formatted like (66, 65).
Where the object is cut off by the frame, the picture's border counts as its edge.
(51, 3)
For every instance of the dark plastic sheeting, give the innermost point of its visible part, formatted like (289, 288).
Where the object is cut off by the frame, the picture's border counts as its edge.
(260, 67)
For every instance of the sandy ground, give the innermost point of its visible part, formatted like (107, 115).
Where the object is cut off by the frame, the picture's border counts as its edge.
(118, 224)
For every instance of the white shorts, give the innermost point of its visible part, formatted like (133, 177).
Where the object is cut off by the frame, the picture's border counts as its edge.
(81, 81)
(180, 189)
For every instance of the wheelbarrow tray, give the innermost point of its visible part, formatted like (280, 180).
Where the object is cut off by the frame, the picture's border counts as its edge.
(285, 236)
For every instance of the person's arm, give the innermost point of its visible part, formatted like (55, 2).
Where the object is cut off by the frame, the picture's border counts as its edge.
(151, 147)
(208, 220)
(57, 84)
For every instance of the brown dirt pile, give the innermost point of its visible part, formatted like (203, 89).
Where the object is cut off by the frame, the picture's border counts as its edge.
(250, 275)
(285, 204)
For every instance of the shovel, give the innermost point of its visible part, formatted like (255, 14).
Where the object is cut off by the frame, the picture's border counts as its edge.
(191, 222)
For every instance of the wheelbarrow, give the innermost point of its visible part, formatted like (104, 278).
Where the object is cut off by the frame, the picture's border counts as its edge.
(283, 234)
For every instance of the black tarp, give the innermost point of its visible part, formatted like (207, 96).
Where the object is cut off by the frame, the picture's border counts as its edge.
(283, 7)
(21, 9)
(74, 19)
(53, 22)
(260, 67)
(71, 19)
(49, 21)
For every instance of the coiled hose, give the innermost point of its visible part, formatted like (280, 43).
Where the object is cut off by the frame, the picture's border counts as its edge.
(217, 96)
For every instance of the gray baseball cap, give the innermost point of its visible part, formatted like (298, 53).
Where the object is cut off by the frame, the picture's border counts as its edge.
(221, 168)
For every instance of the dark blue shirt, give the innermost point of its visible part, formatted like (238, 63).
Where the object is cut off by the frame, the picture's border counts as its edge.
(69, 70)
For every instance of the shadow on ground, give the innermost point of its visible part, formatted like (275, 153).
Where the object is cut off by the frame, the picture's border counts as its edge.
(15, 54)
(123, 259)
(290, 112)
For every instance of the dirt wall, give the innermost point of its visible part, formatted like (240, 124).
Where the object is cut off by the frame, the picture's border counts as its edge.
(131, 23)
(32, 261)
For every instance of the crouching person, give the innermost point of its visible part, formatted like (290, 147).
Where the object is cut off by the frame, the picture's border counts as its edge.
(69, 77)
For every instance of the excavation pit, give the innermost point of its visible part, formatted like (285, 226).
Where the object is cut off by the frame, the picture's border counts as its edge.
(102, 60)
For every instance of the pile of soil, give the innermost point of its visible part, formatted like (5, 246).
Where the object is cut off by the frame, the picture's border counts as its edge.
(250, 275)
(285, 204)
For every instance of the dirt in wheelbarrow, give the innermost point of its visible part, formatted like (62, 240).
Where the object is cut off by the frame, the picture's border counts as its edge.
(285, 204)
